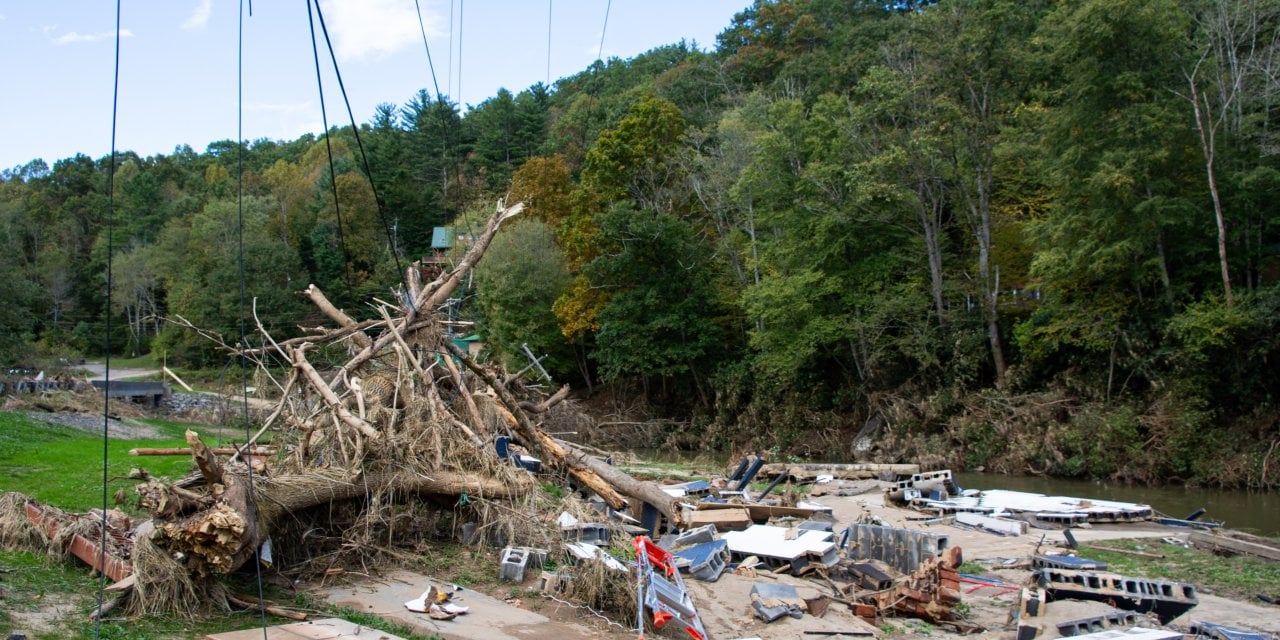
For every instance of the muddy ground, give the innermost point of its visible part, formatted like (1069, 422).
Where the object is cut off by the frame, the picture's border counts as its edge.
(726, 610)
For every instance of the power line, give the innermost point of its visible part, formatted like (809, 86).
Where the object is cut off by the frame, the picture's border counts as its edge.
(431, 65)
(333, 176)
(364, 157)
(462, 9)
(106, 336)
(244, 342)
(549, 42)
(607, 7)
(449, 80)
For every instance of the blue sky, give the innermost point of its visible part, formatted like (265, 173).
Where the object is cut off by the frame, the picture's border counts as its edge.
(178, 62)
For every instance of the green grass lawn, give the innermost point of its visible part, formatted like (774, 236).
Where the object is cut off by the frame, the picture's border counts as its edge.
(62, 466)
(1241, 576)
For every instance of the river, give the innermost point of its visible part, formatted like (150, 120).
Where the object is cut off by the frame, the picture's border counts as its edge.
(1248, 511)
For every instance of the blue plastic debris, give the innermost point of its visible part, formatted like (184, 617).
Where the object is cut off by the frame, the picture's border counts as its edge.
(1220, 632)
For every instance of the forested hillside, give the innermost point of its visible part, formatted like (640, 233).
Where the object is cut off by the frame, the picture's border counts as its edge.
(1035, 236)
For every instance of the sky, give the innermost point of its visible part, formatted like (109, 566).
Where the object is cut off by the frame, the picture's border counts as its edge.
(178, 62)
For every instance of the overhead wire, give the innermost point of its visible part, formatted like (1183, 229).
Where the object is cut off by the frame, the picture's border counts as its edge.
(423, 28)
(440, 106)
(333, 176)
(244, 341)
(364, 157)
(449, 71)
(607, 8)
(106, 334)
(549, 2)
(462, 10)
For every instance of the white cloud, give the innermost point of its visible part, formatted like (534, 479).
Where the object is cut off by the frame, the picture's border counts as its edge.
(74, 36)
(375, 28)
(283, 108)
(284, 121)
(200, 16)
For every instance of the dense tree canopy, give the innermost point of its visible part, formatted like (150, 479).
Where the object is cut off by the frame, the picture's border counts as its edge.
(943, 216)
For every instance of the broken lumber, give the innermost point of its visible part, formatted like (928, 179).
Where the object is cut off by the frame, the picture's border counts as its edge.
(1219, 543)
(186, 451)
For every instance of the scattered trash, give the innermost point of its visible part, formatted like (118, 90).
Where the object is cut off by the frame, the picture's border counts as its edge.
(1223, 632)
(1074, 563)
(1095, 624)
(1136, 633)
(1236, 542)
(661, 591)
(903, 549)
(773, 601)
(705, 561)
(1031, 605)
(1001, 526)
(774, 543)
(435, 603)
(1167, 600)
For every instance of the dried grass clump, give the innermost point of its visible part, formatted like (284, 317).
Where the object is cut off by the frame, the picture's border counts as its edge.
(164, 586)
(16, 531)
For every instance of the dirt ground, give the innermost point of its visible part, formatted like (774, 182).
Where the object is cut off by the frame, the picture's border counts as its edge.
(93, 424)
(725, 605)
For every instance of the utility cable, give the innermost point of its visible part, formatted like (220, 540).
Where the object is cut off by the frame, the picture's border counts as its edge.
(422, 27)
(449, 74)
(106, 335)
(244, 342)
(600, 53)
(549, 2)
(462, 10)
(364, 157)
(333, 176)
(440, 105)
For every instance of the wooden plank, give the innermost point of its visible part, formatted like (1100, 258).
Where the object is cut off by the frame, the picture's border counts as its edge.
(731, 519)
(186, 451)
(1213, 542)
(760, 512)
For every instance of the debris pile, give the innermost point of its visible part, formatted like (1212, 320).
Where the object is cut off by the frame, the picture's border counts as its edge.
(403, 439)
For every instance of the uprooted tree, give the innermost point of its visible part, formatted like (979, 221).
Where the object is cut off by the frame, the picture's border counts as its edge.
(406, 422)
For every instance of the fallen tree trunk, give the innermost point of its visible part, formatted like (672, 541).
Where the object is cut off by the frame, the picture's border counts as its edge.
(186, 451)
(607, 481)
(222, 538)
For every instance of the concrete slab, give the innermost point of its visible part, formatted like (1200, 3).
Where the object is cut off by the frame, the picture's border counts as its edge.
(488, 619)
(326, 629)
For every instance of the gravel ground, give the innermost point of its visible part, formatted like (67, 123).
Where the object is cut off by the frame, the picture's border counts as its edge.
(93, 424)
